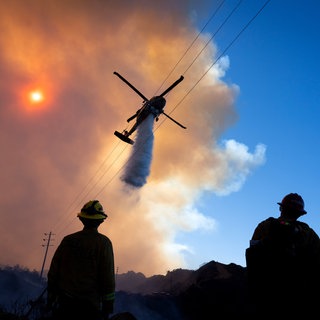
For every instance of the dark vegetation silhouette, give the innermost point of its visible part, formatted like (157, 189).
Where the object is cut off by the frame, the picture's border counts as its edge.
(181, 294)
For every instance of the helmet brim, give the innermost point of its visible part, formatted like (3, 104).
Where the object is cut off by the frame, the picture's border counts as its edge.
(97, 216)
(302, 211)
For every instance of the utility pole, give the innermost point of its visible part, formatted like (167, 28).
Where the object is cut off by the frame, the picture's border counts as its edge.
(46, 252)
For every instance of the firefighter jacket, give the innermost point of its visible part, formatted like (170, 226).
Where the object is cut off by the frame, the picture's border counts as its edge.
(82, 268)
(289, 237)
(283, 263)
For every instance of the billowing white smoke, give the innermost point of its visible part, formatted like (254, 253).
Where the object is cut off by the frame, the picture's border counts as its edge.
(137, 169)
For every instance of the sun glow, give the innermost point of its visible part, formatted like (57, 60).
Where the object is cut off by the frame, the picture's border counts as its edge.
(36, 96)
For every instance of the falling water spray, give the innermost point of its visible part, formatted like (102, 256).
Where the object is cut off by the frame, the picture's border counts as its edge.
(138, 165)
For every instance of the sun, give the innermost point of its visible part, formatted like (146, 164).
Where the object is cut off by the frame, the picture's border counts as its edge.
(36, 96)
(36, 99)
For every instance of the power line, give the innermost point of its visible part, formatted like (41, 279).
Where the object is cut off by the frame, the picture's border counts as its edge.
(221, 54)
(193, 42)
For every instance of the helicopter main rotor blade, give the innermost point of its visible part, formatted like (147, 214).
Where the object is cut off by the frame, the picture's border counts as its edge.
(179, 124)
(172, 86)
(131, 86)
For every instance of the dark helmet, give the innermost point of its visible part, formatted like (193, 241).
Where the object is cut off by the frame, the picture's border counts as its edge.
(293, 202)
(92, 210)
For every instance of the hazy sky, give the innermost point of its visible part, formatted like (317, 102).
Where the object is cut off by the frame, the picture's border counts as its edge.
(59, 153)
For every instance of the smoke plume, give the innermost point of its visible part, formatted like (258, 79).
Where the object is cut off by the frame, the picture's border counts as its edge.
(60, 153)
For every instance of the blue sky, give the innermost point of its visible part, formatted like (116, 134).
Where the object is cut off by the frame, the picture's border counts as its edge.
(251, 134)
(275, 64)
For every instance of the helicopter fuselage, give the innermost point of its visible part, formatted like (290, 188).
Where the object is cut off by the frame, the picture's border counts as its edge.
(154, 106)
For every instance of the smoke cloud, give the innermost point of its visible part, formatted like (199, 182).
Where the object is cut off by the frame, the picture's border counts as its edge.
(58, 154)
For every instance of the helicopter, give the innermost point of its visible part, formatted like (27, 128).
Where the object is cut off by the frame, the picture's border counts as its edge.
(153, 106)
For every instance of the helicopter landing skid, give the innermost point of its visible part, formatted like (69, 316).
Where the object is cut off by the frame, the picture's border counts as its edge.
(123, 137)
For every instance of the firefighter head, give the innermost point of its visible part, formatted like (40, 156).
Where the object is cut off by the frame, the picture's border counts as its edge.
(292, 205)
(92, 213)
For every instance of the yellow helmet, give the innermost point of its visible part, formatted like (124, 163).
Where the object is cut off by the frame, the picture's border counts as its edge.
(92, 210)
